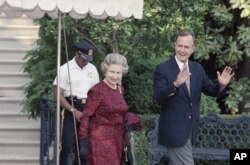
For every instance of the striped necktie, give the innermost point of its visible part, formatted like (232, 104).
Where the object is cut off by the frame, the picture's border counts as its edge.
(188, 80)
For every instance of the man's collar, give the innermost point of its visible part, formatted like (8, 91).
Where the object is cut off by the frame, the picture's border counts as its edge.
(179, 63)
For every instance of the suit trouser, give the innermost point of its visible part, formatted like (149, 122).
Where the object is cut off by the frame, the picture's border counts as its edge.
(181, 155)
(68, 138)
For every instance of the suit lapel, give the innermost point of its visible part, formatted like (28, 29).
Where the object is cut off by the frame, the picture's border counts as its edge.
(174, 68)
(192, 78)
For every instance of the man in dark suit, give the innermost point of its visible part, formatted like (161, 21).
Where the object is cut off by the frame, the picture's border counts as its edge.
(177, 86)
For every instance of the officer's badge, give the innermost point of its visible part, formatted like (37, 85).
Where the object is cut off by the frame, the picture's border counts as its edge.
(90, 75)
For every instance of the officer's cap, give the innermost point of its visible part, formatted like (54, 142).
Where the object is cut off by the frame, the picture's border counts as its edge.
(83, 48)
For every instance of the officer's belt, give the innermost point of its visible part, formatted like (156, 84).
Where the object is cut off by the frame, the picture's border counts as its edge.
(83, 101)
(76, 100)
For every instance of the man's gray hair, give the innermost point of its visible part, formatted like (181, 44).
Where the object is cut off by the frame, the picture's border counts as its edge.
(183, 33)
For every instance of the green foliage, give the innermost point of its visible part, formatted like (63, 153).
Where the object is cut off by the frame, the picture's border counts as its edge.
(142, 143)
(41, 68)
(221, 15)
(240, 90)
(227, 38)
(209, 105)
(141, 139)
(138, 85)
(219, 31)
(243, 5)
(243, 39)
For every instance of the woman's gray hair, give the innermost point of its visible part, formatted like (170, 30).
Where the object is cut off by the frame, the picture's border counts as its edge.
(114, 58)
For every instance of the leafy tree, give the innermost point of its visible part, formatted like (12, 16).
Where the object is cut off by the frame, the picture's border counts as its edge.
(227, 37)
(222, 39)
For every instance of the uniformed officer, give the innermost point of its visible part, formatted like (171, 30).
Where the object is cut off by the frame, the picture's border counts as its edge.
(76, 76)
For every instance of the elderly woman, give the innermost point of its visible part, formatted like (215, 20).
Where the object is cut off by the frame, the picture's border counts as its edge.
(106, 116)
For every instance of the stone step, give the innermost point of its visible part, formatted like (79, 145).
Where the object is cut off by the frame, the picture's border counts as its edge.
(13, 50)
(14, 77)
(12, 54)
(8, 160)
(20, 148)
(18, 41)
(16, 133)
(19, 135)
(13, 31)
(12, 90)
(19, 38)
(15, 21)
(19, 127)
(11, 65)
(16, 118)
(11, 103)
(8, 44)
(19, 132)
(11, 111)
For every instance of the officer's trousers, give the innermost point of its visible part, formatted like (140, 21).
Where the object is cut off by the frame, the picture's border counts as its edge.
(68, 139)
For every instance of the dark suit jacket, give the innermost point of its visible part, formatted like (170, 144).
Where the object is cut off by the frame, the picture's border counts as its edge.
(179, 116)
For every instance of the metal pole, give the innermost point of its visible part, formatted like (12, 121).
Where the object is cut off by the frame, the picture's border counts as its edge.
(58, 90)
